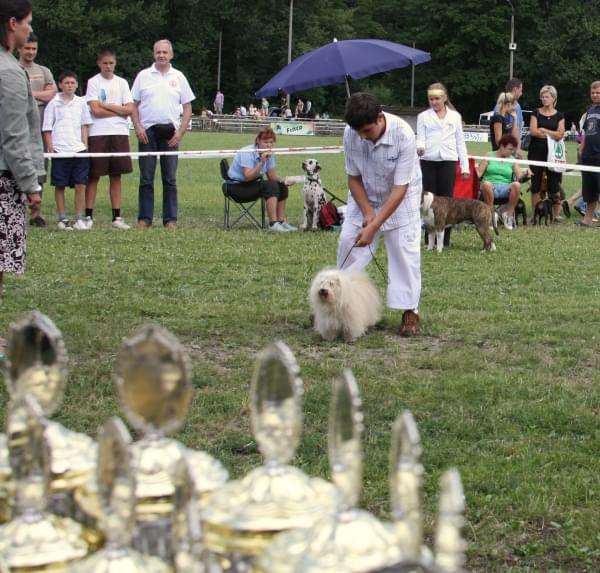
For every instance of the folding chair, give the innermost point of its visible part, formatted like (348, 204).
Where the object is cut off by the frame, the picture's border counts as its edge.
(245, 206)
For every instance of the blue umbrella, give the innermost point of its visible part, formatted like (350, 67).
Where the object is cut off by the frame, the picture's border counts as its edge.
(335, 62)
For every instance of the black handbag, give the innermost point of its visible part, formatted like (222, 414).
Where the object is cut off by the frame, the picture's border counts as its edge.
(164, 130)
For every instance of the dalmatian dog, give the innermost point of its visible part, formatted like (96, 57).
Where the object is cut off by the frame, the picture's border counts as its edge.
(314, 196)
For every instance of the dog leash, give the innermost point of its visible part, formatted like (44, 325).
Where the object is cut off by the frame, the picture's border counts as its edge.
(385, 276)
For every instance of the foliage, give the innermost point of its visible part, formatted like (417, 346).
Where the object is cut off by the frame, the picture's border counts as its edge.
(468, 42)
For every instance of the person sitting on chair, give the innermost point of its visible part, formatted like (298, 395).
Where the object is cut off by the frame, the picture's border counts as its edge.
(246, 173)
(500, 180)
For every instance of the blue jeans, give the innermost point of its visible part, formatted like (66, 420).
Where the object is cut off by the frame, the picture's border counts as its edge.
(168, 172)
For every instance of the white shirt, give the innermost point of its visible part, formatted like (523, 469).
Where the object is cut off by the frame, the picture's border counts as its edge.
(115, 90)
(161, 95)
(442, 139)
(64, 119)
(391, 161)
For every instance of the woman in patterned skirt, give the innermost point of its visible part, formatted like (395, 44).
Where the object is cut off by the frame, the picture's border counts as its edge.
(21, 152)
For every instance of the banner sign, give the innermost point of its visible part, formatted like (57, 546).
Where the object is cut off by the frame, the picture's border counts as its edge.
(293, 127)
(479, 136)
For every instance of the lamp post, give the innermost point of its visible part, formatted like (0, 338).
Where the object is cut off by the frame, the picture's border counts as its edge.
(512, 46)
(291, 22)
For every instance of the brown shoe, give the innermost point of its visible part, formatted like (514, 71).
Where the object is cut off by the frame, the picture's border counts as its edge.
(171, 226)
(410, 324)
(141, 224)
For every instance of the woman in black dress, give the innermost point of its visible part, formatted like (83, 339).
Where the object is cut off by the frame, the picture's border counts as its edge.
(546, 121)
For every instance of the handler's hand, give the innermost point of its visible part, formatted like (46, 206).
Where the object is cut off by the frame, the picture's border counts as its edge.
(365, 236)
(34, 199)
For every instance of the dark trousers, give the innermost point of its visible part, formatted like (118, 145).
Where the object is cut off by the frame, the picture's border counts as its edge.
(168, 172)
(439, 178)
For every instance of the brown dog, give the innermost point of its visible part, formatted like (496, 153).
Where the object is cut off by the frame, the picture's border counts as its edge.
(438, 212)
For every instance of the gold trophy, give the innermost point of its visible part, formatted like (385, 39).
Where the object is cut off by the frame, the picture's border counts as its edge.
(116, 492)
(241, 518)
(36, 364)
(353, 540)
(34, 540)
(152, 379)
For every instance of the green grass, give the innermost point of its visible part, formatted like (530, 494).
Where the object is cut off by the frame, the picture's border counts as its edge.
(503, 383)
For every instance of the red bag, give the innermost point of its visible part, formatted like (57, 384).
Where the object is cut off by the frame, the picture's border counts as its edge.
(328, 216)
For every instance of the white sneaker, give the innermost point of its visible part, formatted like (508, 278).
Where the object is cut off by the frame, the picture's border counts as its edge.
(64, 225)
(119, 223)
(288, 227)
(89, 222)
(80, 225)
(507, 221)
(278, 228)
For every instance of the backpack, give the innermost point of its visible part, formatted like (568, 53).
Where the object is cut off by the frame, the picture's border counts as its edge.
(328, 216)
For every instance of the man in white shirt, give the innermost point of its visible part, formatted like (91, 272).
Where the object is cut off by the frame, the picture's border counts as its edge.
(384, 178)
(111, 105)
(159, 92)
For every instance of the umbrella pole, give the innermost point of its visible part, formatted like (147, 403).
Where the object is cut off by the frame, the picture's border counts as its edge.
(347, 86)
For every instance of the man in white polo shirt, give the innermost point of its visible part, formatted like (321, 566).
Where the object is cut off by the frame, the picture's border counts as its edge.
(384, 178)
(159, 93)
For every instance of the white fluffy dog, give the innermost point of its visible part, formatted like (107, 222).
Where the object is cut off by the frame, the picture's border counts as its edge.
(345, 304)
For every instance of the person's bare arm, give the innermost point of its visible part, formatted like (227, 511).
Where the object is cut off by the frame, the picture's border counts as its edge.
(45, 95)
(140, 132)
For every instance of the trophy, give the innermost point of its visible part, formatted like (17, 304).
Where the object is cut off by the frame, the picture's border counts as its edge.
(116, 493)
(152, 379)
(241, 518)
(353, 540)
(34, 540)
(36, 364)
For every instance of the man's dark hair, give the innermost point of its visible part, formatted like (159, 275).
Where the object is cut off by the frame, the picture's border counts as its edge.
(105, 52)
(32, 38)
(512, 83)
(67, 74)
(362, 109)
(18, 9)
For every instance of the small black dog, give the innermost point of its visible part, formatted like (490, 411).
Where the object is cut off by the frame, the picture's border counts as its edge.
(543, 210)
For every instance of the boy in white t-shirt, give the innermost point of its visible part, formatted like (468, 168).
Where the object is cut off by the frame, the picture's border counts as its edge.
(111, 105)
(65, 130)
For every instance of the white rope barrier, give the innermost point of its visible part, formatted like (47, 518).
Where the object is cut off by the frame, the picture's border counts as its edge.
(325, 149)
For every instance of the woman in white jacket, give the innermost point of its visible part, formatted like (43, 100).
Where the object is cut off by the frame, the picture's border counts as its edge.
(440, 144)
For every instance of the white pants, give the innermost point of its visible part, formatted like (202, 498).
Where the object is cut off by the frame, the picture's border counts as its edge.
(403, 246)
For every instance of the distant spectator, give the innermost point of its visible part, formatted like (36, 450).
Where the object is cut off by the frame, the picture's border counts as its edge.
(247, 170)
(500, 179)
(504, 120)
(251, 110)
(589, 153)
(545, 122)
(66, 123)
(309, 111)
(218, 103)
(160, 92)
(243, 110)
(264, 105)
(111, 106)
(299, 111)
(43, 88)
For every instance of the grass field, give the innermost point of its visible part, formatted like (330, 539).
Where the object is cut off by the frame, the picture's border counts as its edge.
(504, 382)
